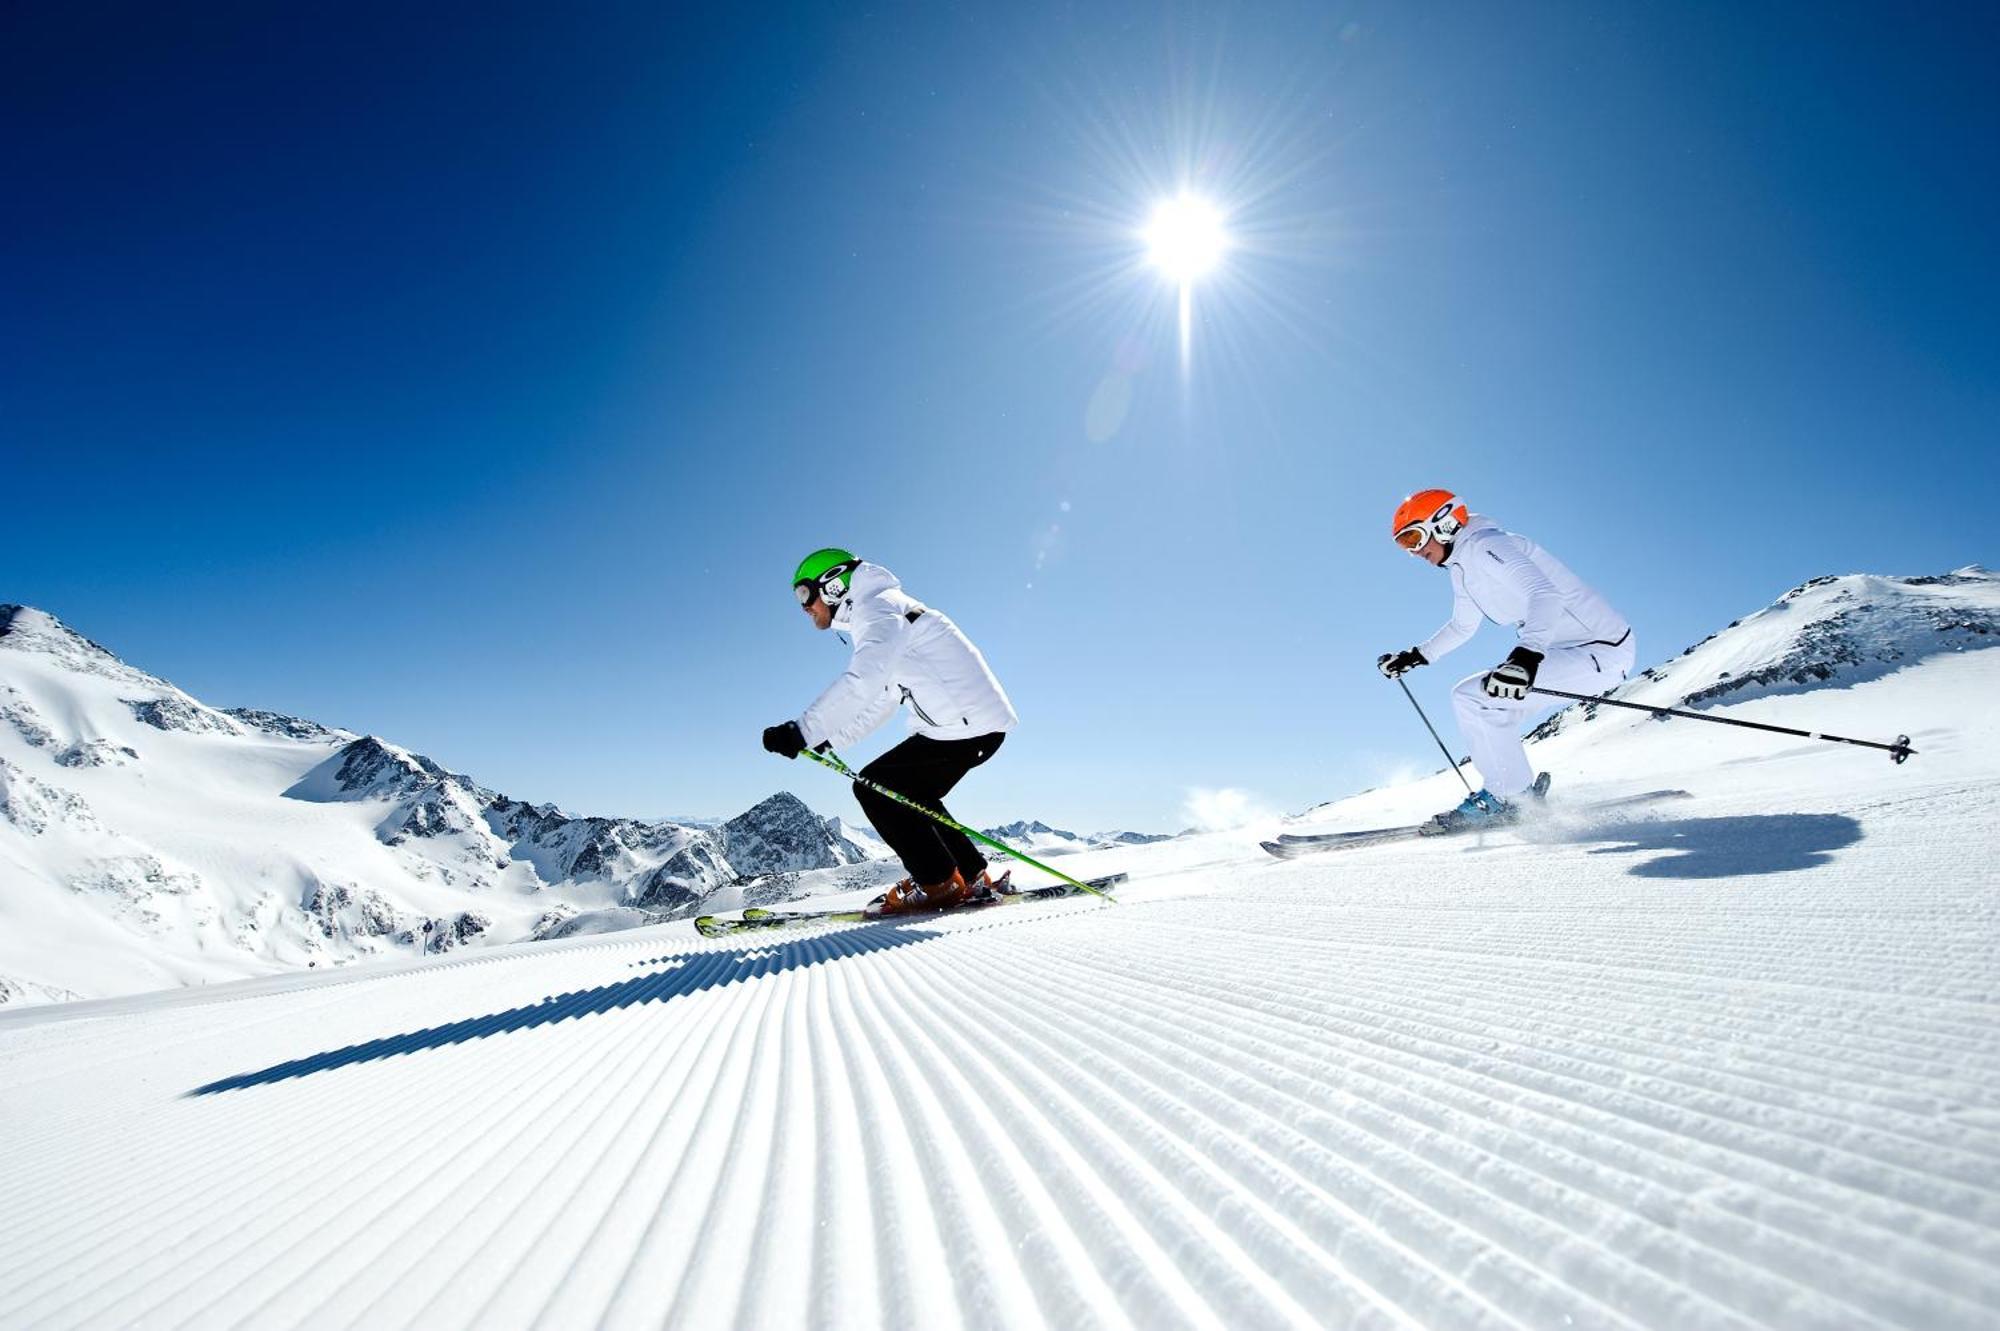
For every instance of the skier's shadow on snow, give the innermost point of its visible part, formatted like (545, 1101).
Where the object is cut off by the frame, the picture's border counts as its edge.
(668, 977)
(1729, 847)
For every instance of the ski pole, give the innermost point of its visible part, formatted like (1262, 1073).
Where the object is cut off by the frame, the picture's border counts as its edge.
(1449, 761)
(832, 762)
(1898, 752)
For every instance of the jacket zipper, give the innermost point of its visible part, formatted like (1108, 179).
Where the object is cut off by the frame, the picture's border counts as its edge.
(918, 708)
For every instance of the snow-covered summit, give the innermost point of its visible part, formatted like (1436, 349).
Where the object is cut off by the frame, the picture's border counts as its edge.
(1835, 630)
(782, 835)
(25, 629)
(1843, 629)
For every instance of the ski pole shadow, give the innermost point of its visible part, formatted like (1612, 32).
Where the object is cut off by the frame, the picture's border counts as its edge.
(1728, 847)
(668, 978)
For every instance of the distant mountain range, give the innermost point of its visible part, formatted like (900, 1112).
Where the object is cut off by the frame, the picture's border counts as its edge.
(1039, 839)
(148, 839)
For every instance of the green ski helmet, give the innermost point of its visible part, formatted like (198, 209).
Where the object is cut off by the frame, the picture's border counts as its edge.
(825, 573)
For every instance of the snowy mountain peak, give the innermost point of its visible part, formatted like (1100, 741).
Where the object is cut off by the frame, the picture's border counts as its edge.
(1844, 629)
(781, 835)
(26, 629)
(1836, 630)
(370, 768)
(1024, 827)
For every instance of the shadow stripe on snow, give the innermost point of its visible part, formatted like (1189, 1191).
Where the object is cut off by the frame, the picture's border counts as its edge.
(685, 974)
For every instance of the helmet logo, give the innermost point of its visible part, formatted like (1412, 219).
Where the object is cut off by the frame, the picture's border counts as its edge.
(1444, 524)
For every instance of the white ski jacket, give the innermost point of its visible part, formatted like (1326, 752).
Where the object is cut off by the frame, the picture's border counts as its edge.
(1511, 580)
(904, 651)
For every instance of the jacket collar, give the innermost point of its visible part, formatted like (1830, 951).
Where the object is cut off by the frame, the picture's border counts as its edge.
(868, 580)
(1475, 525)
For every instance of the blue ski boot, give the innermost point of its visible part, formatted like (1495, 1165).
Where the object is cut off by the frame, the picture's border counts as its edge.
(1479, 809)
(1483, 809)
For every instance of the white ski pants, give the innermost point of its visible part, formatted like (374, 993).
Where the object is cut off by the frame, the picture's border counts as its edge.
(1492, 726)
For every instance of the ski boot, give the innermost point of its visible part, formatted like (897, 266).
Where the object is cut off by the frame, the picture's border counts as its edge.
(911, 898)
(1483, 809)
(985, 887)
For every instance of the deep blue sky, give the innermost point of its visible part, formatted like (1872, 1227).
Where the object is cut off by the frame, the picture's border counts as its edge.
(475, 375)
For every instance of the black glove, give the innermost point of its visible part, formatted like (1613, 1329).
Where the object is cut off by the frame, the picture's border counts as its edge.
(1513, 677)
(787, 740)
(1395, 665)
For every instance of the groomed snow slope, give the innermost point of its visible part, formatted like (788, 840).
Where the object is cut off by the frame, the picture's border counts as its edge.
(1732, 1061)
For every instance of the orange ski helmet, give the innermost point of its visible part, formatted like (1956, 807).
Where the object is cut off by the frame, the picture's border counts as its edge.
(1427, 514)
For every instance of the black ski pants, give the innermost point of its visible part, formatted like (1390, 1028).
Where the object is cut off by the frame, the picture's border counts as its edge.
(925, 770)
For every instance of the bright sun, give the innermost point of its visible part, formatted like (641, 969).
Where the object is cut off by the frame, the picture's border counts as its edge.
(1185, 238)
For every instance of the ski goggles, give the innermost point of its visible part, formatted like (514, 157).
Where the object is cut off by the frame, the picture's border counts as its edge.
(1442, 525)
(1414, 536)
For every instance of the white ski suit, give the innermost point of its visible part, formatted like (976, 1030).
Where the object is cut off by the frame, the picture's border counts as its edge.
(904, 651)
(1586, 646)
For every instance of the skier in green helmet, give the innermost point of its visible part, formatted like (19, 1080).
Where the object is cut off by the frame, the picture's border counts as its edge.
(904, 652)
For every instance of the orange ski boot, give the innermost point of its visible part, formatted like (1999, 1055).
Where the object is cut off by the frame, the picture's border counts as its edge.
(911, 898)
